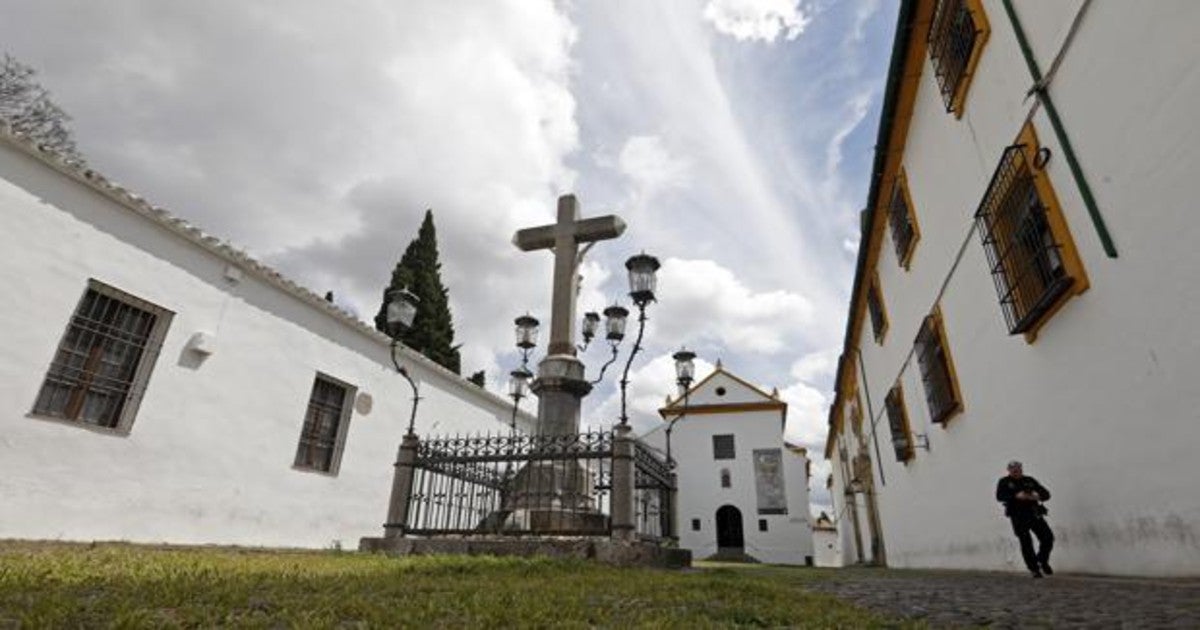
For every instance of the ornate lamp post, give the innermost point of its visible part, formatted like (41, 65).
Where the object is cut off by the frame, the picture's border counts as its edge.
(642, 282)
(685, 372)
(401, 309)
(518, 388)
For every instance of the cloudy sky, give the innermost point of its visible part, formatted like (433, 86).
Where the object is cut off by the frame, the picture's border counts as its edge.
(733, 136)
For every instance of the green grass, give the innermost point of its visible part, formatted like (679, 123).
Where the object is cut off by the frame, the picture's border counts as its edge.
(128, 586)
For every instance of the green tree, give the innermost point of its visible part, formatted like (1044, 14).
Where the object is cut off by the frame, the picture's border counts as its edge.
(29, 110)
(419, 270)
(479, 378)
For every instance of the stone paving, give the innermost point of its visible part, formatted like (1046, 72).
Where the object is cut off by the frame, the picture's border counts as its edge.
(953, 599)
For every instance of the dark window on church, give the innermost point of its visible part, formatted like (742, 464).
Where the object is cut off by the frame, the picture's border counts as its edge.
(325, 423)
(695, 524)
(726, 481)
(104, 360)
(762, 524)
(723, 447)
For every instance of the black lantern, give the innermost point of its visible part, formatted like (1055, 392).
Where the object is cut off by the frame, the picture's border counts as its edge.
(685, 369)
(642, 280)
(527, 332)
(401, 309)
(614, 323)
(591, 320)
(518, 383)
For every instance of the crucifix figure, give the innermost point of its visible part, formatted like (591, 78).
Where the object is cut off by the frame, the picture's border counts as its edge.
(561, 385)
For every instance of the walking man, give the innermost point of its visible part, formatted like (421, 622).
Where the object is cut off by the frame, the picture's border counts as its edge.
(1022, 497)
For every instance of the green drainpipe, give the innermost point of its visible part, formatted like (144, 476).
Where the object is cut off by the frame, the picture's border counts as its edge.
(1044, 96)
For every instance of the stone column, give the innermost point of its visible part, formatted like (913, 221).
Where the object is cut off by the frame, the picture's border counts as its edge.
(622, 484)
(402, 484)
(673, 505)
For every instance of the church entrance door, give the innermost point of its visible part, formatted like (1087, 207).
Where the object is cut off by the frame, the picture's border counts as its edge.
(729, 530)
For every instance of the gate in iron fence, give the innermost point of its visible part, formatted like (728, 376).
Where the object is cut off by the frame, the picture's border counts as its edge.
(547, 485)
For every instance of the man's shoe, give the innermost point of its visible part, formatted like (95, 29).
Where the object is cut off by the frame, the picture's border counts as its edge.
(1046, 569)
(1037, 575)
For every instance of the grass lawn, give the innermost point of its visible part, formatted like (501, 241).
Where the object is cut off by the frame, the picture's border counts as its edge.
(65, 585)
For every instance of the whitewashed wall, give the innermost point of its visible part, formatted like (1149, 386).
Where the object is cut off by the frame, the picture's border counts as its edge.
(789, 536)
(827, 548)
(209, 457)
(1103, 408)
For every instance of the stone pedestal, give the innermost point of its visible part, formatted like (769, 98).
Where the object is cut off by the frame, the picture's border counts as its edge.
(402, 483)
(560, 388)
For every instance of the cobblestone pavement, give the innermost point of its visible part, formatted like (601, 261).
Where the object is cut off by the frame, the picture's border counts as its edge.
(952, 599)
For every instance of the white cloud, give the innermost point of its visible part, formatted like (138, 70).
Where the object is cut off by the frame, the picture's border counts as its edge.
(706, 302)
(762, 20)
(650, 382)
(816, 367)
(646, 161)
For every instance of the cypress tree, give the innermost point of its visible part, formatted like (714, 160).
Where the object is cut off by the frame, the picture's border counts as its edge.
(420, 271)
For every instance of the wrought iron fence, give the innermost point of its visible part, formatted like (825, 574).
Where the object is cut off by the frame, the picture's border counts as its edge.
(653, 485)
(516, 485)
(512, 485)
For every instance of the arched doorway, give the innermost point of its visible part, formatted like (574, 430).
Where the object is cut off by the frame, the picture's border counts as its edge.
(729, 530)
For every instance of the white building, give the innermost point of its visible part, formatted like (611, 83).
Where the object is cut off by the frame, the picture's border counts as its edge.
(158, 386)
(1027, 288)
(742, 491)
(826, 546)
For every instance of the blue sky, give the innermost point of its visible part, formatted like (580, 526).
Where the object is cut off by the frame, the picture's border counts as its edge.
(734, 137)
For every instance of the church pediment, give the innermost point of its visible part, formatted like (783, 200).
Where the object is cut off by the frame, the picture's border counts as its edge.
(721, 392)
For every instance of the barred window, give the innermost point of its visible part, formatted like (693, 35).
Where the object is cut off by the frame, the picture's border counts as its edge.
(937, 370)
(902, 441)
(1029, 250)
(325, 423)
(104, 359)
(956, 37)
(902, 221)
(879, 321)
(723, 447)
(726, 479)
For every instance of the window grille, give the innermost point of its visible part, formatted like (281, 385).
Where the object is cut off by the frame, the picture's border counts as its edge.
(879, 321)
(1024, 255)
(956, 34)
(902, 223)
(726, 480)
(937, 375)
(695, 524)
(762, 524)
(324, 427)
(723, 447)
(104, 359)
(902, 441)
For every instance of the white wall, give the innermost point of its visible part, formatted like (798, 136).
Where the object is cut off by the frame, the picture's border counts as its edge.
(1103, 408)
(827, 548)
(209, 457)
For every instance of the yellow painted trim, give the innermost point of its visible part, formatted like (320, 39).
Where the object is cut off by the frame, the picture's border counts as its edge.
(878, 290)
(1058, 227)
(911, 453)
(940, 328)
(910, 83)
(984, 29)
(696, 410)
(902, 183)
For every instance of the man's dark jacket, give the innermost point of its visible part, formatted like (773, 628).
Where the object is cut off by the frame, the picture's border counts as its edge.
(1006, 493)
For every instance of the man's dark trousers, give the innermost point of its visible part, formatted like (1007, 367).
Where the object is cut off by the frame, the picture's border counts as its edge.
(1022, 526)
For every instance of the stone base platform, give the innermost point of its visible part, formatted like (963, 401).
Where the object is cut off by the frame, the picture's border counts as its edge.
(607, 551)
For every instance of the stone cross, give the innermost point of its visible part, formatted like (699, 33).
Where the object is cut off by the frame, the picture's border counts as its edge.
(564, 238)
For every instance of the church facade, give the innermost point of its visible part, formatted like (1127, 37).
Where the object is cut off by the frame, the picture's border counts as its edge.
(157, 385)
(1025, 289)
(742, 491)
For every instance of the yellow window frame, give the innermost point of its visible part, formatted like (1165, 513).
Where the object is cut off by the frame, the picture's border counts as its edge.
(900, 187)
